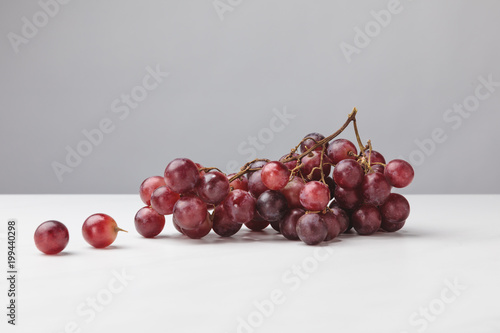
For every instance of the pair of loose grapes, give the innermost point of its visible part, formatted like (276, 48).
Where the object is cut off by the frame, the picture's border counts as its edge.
(99, 230)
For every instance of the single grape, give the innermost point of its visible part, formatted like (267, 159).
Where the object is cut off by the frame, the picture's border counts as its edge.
(275, 175)
(315, 196)
(272, 205)
(366, 219)
(333, 225)
(163, 200)
(375, 188)
(348, 199)
(148, 222)
(255, 185)
(222, 223)
(288, 225)
(181, 175)
(275, 225)
(201, 231)
(331, 185)
(255, 165)
(290, 164)
(392, 226)
(292, 192)
(341, 149)
(148, 186)
(313, 139)
(100, 230)
(257, 223)
(51, 237)
(179, 229)
(395, 209)
(348, 174)
(240, 206)
(312, 161)
(378, 168)
(239, 183)
(399, 173)
(213, 187)
(311, 229)
(341, 215)
(190, 212)
(375, 157)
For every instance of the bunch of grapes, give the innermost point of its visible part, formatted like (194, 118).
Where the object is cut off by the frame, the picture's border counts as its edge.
(298, 195)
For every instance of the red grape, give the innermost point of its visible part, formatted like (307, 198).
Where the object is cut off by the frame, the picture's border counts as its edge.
(331, 185)
(375, 157)
(256, 165)
(348, 174)
(292, 192)
(290, 164)
(395, 209)
(257, 223)
(239, 183)
(179, 229)
(341, 216)
(366, 219)
(201, 231)
(275, 225)
(313, 160)
(378, 168)
(392, 226)
(333, 225)
(375, 188)
(181, 175)
(213, 187)
(399, 173)
(163, 200)
(51, 237)
(100, 230)
(348, 199)
(190, 212)
(148, 222)
(255, 185)
(275, 175)
(148, 186)
(272, 205)
(223, 225)
(315, 196)
(240, 206)
(308, 143)
(311, 229)
(288, 225)
(341, 149)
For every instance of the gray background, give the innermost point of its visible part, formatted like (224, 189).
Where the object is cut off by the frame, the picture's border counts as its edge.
(226, 77)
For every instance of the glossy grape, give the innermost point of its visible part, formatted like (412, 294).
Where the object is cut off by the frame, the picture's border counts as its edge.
(311, 229)
(275, 225)
(290, 164)
(313, 160)
(256, 165)
(163, 200)
(341, 216)
(392, 226)
(399, 173)
(292, 192)
(331, 185)
(239, 183)
(308, 143)
(51, 237)
(333, 225)
(341, 149)
(315, 196)
(100, 230)
(275, 175)
(288, 225)
(213, 187)
(201, 231)
(348, 174)
(378, 168)
(181, 175)
(255, 185)
(148, 186)
(257, 223)
(190, 212)
(395, 209)
(348, 199)
(240, 206)
(375, 157)
(272, 205)
(366, 219)
(375, 188)
(148, 222)
(223, 225)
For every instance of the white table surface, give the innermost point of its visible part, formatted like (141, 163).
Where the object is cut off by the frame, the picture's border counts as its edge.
(376, 283)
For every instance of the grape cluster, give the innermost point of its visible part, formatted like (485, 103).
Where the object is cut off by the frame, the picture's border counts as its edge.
(298, 195)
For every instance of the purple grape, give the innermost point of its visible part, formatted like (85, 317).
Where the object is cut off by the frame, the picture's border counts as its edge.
(333, 225)
(288, 225)
(190, 212)
(348, 199)
(341, 149)
(392, 226)
(272, 205)
(313, 160)
(311, 229)
(255, 185)
(240, 206)
(213, 187)
(181, 175)
(399, 173)
(375, 188)
(222, 223)
(257, 223)
(395, 209)
(366, 220)
(315, 196)
(348, 174)
(308, 143)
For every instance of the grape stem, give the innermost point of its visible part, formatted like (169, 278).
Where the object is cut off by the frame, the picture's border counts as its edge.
(246, 168)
